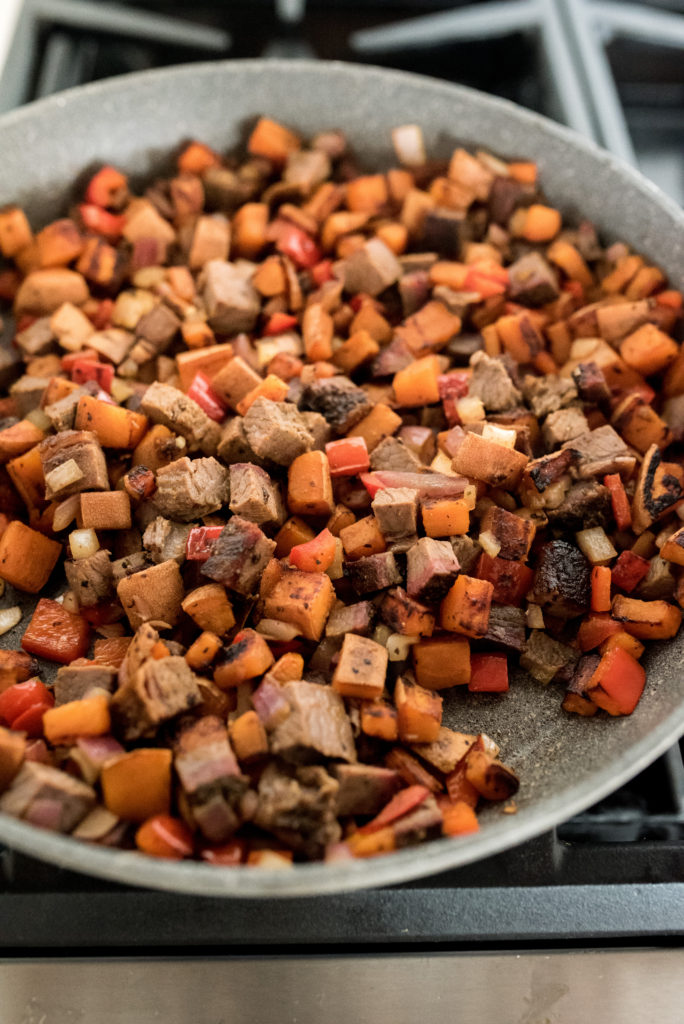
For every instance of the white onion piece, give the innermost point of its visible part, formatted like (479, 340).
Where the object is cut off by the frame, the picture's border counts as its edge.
(96, 825)
(534, 616)
(470, 409)
(274, 629)
(336, 569)
(9, 618)
(470, 496)
(39, 419)
(596, 545)
(62, 476)
(70, 602)
(399, 646)
(507, 438)
(121, 391)
(83, 543)
(442, 464)
(66, 512)
(409, 145)
(489, 543)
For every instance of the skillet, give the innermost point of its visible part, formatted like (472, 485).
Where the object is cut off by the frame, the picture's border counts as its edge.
(565, 763)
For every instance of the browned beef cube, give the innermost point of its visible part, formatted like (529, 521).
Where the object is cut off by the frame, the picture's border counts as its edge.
(514, 534)
(375, 572)
(395, 509)
(234, 446)
(299, 806)
(393, 454)
(28, 393)
(533, 281)
(306, 168)
(548, 394)
(505, 195)
(339, 400)
(47, 797)
(73, 682)
(91, 578)
(431, 568)
(129, 565)
(586, 504)
(414, 290)
(467, 551)
(84, 449)
(318, 428)
(190, 488)
(580, 673)
(491, 383)
(549, 469)
(591, 383)
(232, 303)
(164, 540)
(240, 556)
(599, 452)
(364, 788)
(350, 618)
(254, 496)
(563, 425)
(446, 231)
(154, 333)
(36, 340)
(418, 826)
(544, 657)
(63, 412)
(562, 579)
(169, 406)
(506, 627)
(659, 583)
(156, 693)
(276, 431)
(316, 727)
(421, 441)
(371, 269)
(210, 777)
(392, 358)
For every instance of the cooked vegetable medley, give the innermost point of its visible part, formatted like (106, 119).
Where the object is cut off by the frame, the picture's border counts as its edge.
(295, 448)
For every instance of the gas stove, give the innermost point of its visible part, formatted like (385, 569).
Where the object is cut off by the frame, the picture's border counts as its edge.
(585, 921)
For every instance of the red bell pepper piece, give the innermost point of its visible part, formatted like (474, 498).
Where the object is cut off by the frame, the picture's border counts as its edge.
(576, 289)
(22, 706)
(101, 614)
(600, 588)
(629, 571)
(511, 580)
(56, 634)
(68, 360)
(83, 370)
(348, 456)
(292, 241)
(670, 298)
(618, 682)
(227, 855)
(622, 511)
(595, 629)
(165, 836)
(102, 222)
(488, 673)
(279, 323)
(401, 803)
(201, 392)
(371, 482)
(314, 555)
(200, 542)
(322, 272)
(107, 187)
(487, 278)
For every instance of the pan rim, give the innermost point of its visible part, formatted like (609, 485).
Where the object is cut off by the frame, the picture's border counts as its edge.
(429, 858)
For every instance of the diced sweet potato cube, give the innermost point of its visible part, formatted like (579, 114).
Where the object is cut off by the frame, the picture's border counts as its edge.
(138, 784)
(492, 780)
(246, 658)
(27, 557)
(87, 717)
(272, 140)
(153, 595)
(646, 620)
(362, 667)
(445, 517)
(309, 487)
(113, 426)
(486, 460)
(419, 712)
(381, 422)
(362, 538)
(210, 609)
(440, 662)
(466, 607)
(303, 599)
(15, 231)
(673, 548)
(202, 652)
(648, 350)
(379, 719)
(12, 750)
(105, 510)
(248, 737)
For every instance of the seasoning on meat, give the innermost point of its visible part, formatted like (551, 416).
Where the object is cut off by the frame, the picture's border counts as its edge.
(156, 693)
(599, 452)
(276, 431)
(254, 496)
(431, 568)
(210, 777)
(166, 540)
(340, 401)
(299, 806)
(491, 383)
(316, 726)
(77, 447)
(169, 406)
(190, 488)
(239, 556)
(91, 578)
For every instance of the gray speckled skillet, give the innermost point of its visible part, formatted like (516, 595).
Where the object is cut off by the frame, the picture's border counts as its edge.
(565, 763)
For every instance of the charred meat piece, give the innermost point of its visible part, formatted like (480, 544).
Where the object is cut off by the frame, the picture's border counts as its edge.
(210, 777)
(514, 534)
(299, 806)
(392, 454)
(47, 797)
(371, 269)
(276, 431)
(167, 405)
(190, 488)
(533, 281)
(82, 448)
(317, 726)
(562, 580)
(254, 496)
(232, 303)
(394, 357)
(350, 618)
(549, 469)
(157, 692)
(364, 788)
(233, 445)
(375, 572)
(165, 539)
(395, 509)
(431, 568)
(73, 682)
(591, 383)
(544, 656)
(599, 452)
(548, 394)
(339, 400)
(446, 232)
(154, 333)
(91, 578)
(586, 504)
(239, 556)
(505, 195)
(491, 383)
(563, 425)
(506, 627)
(467, 551)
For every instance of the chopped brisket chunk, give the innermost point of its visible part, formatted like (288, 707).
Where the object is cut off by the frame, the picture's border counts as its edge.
(548, 394)
(351, 618)
(190, 488)
(544, 656)
(431, 568)
(233, 445)
(446, 231)
(299, 806)
(339, 400)
(364, 788)
(533, 281)
(47, 797)
(81, 447)
(156, 693)
(420, 825)
(601, 451)
(91, 578)
(506, 627)
(392, 454)
(210, 777)
(276, 431)
(562, 579)
(232, 303)
(395, 509)
(375, 572)
(154, 333)
(491, 383)
(240, 556)
(167, 405)
(370, 269)
(591, 383)
(73, 682)
(316, 727)
(467, 551)
(164, 539)
(586, 504)
(563, 425)
(254, 496)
